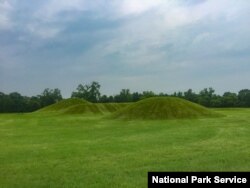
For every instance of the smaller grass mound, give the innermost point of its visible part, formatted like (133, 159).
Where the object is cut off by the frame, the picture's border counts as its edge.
(88, 108)
(94, 108)
(63, 104)
(80, 106)
(158, 108)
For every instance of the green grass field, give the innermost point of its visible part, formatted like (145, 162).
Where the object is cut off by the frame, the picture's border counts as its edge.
(72, 150)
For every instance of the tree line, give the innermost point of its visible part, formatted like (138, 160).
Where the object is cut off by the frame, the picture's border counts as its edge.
(15, 102)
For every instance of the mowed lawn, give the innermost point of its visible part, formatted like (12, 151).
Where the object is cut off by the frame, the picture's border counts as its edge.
(44, 150)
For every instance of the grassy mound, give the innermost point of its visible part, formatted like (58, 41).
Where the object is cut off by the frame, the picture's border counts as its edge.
(111, 107)
(79, 106)
(91, 108)
(163, 108)
(63, 104)
(83, 109)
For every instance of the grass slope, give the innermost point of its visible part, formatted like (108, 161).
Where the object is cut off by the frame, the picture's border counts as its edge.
(63, 104)
(79, 106)
(39, 151)
(163, 108)
(94, 108)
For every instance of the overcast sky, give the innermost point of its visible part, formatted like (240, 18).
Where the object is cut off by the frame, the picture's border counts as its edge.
(159, 45)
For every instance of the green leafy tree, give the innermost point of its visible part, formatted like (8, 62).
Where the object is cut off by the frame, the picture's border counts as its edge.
(216, 101)
(50, 96)
(104, 99)
(205, 96)
(147, 94)
(124, 96)
(190, 95)
(244, 98)
(89, 92)
(3, 99)
(178, 94)
(229, 99)
(16, 102)
(33, 103)
(94, 92)
(136, 96)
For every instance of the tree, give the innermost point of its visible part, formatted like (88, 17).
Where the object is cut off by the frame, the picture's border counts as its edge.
(178, 94)
(124, 96)
(229, 99)
(94, 92)
(16, 102)
(216, 101)
(2, 102)
(104, 99)
(190, 95)
(111, 98)
(205, 96)
(244, 98)
(89, 92)
(162, 94)
(147, 94)
(136, 96)
(34, 103)
(50, 96)
(82, 92)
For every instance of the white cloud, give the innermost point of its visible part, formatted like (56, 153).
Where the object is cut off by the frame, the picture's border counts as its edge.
(5, 10)
(203, 37)
(50, 10)
(42, 31)
(165, 20)
(164, 38)
(48, 20)
(176, 13)
(128, 7)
